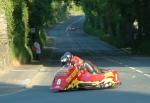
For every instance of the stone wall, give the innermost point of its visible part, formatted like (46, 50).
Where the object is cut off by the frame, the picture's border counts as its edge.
(3, 41)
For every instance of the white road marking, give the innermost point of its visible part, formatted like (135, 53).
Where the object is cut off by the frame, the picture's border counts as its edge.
(147, 75)
(132, 68)
(139, 71)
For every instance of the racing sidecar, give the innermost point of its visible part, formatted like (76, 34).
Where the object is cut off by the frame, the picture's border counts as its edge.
(70, 77)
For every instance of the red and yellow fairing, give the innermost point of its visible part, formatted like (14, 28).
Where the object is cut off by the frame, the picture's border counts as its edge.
(67, 81)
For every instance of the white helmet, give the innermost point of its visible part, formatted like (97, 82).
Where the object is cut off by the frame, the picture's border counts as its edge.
(66, 58)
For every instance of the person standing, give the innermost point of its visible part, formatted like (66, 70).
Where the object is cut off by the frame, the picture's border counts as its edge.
(37, 50)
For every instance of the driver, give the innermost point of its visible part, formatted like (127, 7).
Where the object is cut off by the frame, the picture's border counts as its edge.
(70, 59)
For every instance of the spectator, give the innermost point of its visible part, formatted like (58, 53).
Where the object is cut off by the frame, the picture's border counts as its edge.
(37, 50)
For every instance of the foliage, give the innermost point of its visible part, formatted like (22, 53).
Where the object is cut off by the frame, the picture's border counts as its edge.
(75, 9)
(17, 20)
(22, 16)
(111, 20)
(42, 36)
(43, 14)
(20, 39)
(116, 18)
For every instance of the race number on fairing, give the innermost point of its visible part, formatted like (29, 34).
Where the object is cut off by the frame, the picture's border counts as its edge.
(58, 81)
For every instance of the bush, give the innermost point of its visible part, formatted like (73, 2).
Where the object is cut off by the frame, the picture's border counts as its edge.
(43, 37)
(17, 23)
(23, 15)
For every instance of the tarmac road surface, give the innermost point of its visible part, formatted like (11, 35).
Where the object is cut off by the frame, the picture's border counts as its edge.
(134, 70)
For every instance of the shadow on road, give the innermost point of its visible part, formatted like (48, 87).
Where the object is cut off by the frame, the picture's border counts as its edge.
(42, 94)
(8, 88)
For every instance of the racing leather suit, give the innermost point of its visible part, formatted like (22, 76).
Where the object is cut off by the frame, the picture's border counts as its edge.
(81, 64)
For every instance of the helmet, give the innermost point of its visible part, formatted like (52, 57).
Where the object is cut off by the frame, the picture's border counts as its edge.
(68, 55)
(66, 58)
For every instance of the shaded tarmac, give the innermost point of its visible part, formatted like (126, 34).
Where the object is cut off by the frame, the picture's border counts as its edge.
(89, 96)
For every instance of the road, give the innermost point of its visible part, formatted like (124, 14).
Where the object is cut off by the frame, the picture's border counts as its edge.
(134, 70)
